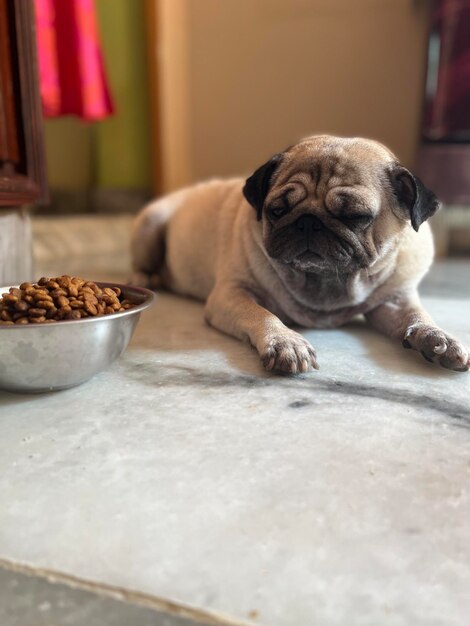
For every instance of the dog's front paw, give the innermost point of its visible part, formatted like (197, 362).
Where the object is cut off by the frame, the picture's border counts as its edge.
(438, 347)
(288, 352)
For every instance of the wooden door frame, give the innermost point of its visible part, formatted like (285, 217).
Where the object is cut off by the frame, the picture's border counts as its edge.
(27, 182)
(170, 93)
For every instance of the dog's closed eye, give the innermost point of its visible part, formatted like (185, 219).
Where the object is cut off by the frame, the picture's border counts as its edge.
(281, 208)
(357, 220)
(353, 213)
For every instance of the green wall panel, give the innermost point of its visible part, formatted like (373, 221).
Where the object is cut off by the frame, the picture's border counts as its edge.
(122, 143)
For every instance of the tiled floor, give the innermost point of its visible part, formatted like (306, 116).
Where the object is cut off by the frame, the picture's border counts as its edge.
(187, 473)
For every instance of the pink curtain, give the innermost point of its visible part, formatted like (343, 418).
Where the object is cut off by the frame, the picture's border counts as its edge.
(71, 68)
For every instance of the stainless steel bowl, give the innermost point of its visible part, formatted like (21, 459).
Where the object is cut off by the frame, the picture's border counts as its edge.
(47, 357)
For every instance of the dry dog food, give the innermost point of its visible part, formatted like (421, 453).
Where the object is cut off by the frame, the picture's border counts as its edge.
(57, 299)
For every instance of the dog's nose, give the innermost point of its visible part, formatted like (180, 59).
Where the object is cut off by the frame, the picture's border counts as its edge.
(308, 223)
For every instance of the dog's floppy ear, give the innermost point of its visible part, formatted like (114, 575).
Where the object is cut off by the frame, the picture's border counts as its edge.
(420, 202)
(257, 185)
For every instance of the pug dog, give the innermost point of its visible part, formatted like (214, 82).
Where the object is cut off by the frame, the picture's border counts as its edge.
(328, 229)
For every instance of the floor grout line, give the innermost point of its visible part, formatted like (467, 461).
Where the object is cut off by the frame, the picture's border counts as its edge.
(127, 596)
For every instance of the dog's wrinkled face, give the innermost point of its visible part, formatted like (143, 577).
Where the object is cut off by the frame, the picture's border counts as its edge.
(334, 204)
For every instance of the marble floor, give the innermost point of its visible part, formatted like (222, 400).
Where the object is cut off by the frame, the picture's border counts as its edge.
(187, 482)
(29, 599)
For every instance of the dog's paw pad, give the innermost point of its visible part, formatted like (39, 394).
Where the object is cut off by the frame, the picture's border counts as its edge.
(437, 347)
(291, 354)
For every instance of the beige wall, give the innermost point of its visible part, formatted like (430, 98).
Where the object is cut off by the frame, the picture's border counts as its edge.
(252, 76)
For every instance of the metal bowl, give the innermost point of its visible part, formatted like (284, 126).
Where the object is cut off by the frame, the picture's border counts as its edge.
(47, 357)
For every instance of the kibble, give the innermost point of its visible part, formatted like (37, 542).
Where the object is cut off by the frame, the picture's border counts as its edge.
(57, 299)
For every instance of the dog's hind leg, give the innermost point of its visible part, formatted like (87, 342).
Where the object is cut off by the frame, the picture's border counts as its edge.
(148, 243)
